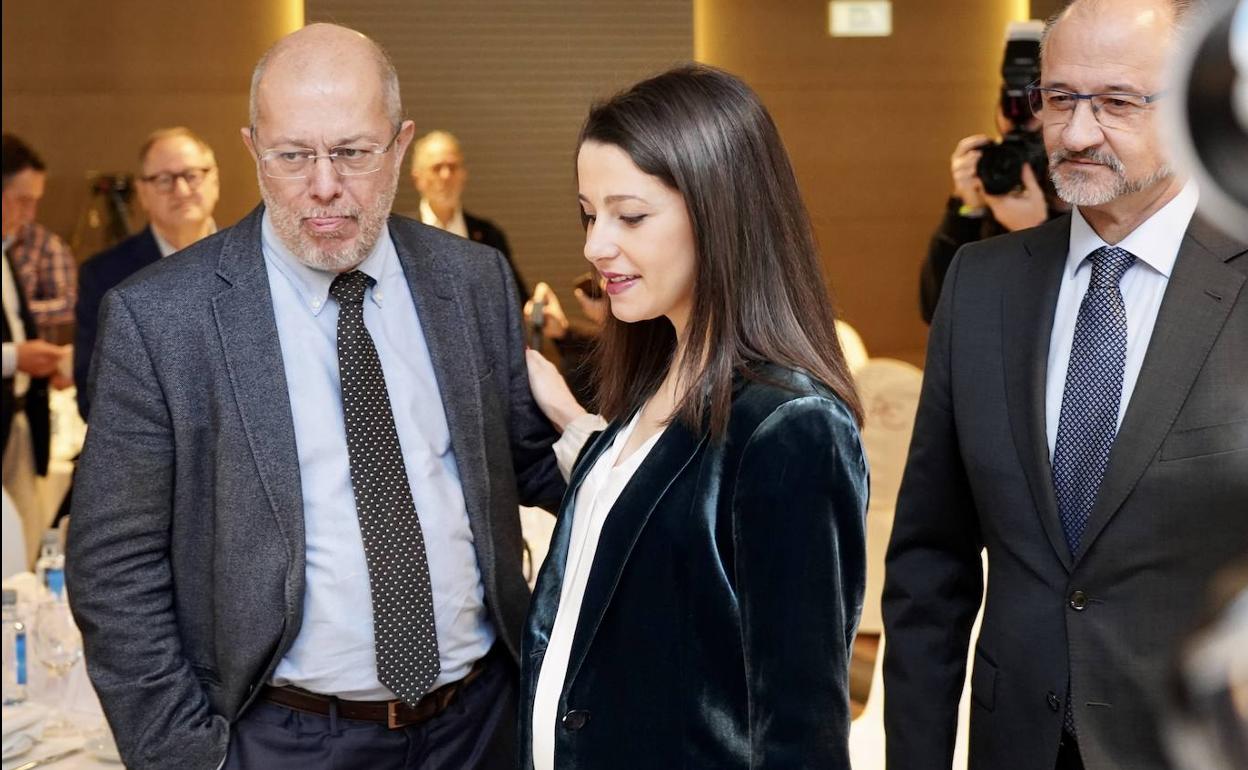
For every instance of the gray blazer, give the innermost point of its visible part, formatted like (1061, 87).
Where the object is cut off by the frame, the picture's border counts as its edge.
(1100, 627)
(186, 553)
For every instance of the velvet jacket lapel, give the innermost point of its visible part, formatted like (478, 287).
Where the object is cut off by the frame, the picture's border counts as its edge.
(675, 450)
(1198, 299)
(1028, 304)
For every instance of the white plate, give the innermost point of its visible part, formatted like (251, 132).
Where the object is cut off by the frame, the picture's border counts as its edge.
(17, 746)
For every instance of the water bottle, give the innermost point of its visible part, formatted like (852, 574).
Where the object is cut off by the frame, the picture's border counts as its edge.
(50, 569)
(14, 652)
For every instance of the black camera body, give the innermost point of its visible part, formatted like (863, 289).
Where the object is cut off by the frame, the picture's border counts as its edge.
(1000, 167)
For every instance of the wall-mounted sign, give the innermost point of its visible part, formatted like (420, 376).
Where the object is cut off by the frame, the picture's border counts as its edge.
(860, 18)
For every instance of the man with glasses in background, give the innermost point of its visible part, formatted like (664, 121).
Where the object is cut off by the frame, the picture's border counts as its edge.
(296, 539)
(1084, 419)
(178, 187)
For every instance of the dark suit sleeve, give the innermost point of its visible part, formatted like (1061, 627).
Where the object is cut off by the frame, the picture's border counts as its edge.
(933, 574)
(538, 480)
(86, 318)
(119, 572)
(800, 571)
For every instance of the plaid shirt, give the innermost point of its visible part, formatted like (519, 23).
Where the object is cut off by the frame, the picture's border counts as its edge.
(48, 274)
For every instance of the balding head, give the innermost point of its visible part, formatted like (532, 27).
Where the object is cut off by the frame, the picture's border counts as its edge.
(310, 50)
(327, 95)
(1107, 153)
(1132, 14)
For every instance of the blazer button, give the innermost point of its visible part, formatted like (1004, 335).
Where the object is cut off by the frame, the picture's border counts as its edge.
(1055, 703)
(1078, 601)
(575, 719)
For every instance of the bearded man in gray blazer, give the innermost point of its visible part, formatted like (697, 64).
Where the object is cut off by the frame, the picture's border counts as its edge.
(295, 538)
(1084, 418)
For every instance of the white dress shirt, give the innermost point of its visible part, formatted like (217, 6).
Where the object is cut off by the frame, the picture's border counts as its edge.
(1155, 244)
(334, 652)
(455, 224)
(594, 499)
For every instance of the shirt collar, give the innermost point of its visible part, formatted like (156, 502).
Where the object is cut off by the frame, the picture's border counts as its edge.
(313, 284)
(166, 248)
(455, 225)
(1155, 242)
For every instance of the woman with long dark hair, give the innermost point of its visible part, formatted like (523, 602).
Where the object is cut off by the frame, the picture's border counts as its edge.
(705, 577)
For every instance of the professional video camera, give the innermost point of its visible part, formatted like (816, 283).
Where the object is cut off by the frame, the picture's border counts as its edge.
(1206, 112)
(1000, 167)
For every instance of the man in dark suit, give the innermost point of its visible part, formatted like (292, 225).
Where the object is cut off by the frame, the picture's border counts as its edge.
(439, 173)
(295, 537)
(178, 188)
(1084, 419)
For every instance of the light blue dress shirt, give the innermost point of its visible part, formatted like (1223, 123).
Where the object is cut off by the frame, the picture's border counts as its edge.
(333, 653)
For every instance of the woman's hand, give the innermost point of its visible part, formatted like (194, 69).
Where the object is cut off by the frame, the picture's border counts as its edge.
(550, 391)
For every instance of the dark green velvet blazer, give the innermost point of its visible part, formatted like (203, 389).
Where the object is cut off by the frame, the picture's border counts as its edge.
(725, 592)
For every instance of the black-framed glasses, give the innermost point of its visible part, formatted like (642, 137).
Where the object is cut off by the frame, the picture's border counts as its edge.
(1115, 109)
(166, 181)
(348, 160)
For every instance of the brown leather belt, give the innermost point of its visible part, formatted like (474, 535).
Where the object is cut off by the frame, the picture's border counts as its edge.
(391, 713)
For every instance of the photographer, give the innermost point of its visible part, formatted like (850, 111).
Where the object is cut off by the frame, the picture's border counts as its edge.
(998, 187)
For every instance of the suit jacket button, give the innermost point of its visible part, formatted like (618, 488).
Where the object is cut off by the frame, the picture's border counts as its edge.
(575, 719)
(1055, 703)
(1078, 601)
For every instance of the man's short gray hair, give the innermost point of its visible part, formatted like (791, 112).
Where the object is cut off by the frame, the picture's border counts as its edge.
(433, 136)
(391, 98)
(1178, 8)
(183, 132)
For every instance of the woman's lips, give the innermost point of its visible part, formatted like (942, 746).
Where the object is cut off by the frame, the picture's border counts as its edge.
(619, 282)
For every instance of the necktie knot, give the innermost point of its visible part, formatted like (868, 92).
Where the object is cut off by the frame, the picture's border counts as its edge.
(1109, 263)
(349, 288)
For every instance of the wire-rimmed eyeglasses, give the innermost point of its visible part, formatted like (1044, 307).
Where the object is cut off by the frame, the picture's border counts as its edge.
(347, 160)
(1115, 109)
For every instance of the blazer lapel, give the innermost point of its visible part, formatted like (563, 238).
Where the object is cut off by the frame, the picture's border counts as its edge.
(253, 356)
(1028, 304)
(669, 457)
(446, 330)
(1199, 297)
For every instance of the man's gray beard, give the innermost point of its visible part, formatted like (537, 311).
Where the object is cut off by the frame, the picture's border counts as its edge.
(288, 224)
(1079, 190)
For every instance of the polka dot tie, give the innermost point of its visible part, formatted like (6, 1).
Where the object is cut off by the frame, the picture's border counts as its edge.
(1089, 418)
(406, 641)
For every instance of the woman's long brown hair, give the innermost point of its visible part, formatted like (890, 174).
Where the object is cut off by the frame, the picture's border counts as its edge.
(759, 292)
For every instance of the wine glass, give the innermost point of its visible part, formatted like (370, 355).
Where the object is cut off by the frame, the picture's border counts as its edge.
(58, 646)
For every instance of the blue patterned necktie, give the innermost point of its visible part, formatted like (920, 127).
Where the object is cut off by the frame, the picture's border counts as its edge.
(1089, 417)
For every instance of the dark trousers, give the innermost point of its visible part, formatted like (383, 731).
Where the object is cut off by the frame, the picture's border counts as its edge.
(477, 731)
(1068, 754)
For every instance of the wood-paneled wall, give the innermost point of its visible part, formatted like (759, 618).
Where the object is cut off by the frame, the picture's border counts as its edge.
(85, 82)
(869, 124)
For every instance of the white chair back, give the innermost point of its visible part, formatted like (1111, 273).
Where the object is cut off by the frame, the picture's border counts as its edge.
(890, 397)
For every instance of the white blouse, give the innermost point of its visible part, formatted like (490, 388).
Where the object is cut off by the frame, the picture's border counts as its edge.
(595, 498)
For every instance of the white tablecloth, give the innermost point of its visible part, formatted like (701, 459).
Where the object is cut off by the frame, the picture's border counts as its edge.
(81, 707)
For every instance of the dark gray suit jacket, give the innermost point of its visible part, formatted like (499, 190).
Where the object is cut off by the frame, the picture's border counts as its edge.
(1101, 627)
(186, 553)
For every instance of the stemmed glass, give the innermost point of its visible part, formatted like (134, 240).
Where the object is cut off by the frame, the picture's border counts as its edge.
(58, 646)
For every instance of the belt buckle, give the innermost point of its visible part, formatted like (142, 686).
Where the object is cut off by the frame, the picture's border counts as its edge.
(392, 716)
